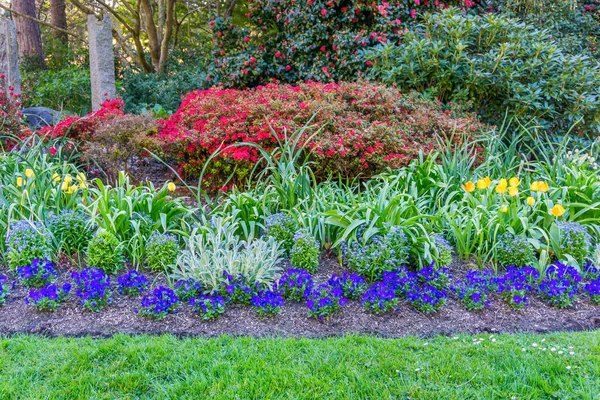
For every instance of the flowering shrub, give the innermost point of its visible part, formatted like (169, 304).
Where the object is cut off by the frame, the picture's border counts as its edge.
(379, 254)
(282, 227)
(4, 289)
(444, 250)
(426, 298)
(238, 290)
(93, 288)
(436, 277)
(305, 251)
(474, 289)
(38, 274)
(267, 303)
(379, 298)
(353, 285)
(187, 289)
(295, 284)
(592, 288)
(516, 284)
(26, 241)
(49, 297)
(514, 251)
(105, 252)
(309, 39)
(364, 128)
(325, 300)
(132, 283)
(559, 287)
(162, 250)
(72, 230)
(11, 119)
(209, 307)
(158, 304)
(575, 241)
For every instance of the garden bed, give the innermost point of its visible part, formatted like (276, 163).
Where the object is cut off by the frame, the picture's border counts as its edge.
(120, 317)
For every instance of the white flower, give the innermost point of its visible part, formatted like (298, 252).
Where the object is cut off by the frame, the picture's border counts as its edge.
(568, 367)
(534, 344)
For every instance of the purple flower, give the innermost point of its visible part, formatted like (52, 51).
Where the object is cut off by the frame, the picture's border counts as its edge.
(49, 297)
(295, 284)
(159, 303)
(38, 274)
(267, 302)
(209, 307)
(93, 288)
(132, 283)
(324, 300)
(380, 298)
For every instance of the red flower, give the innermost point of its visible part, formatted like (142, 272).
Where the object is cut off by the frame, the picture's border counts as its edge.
(287, 67)
(246, 38)
(323, 12)
(53, 150)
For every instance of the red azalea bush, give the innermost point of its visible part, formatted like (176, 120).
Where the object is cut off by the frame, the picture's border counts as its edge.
(359, 128)
(11, 119)
(319, 40)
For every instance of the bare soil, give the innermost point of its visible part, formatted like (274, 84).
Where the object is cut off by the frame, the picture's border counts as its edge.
(120, 317)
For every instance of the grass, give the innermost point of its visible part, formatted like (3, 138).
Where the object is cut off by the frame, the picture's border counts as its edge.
(561, 366)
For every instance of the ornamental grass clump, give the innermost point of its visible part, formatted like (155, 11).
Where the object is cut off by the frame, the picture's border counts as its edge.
(105, 252)
(158, 304)
(295, 284)
(592, 288)
(72, 231)
(378, 254)
(237, 289)
(281, 227)
(325, 300)
(426, 298)
(575, 241)
(353, 285)
(49, 297)
(267, 303)
(4, 289)
(559, 287)
(208, 307)
(514, 251)
(93, 288)
(379, 298)
(26, 241)
(162, 250)
(187, 289)
(473, 291)
(444, 250)
(305, 251)
(38, 274)
(436, 277)
(132, 283)
(516, 284)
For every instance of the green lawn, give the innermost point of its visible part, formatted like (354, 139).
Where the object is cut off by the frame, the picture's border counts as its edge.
(556, 366)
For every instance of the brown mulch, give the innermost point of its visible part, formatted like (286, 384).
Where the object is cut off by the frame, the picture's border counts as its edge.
(119, 317)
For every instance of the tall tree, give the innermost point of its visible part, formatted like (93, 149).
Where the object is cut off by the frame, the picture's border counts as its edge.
(29, 38)
(58, 18)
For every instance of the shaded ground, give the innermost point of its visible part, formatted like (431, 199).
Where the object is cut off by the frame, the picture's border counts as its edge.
(120, 317)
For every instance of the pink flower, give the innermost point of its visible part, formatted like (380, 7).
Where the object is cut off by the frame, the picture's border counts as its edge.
(324, 69)
(322, 48)
(413, 14)
(246, 38)
(53, 150)
(287, 68)
(323, 12)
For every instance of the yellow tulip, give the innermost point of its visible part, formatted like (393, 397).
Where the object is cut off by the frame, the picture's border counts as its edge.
(557, 210)
(539, 186)
(19, 181)
(513, 191)
(72, 189)
(503, 209)
(502, 185)
(514, 182)
(65, 186)
(543, 187)
(171, 186)
(484, 183)
(535, 186)
(56, 177)
(530, 201)
(81, 177)
(29, 173)
(68, 179)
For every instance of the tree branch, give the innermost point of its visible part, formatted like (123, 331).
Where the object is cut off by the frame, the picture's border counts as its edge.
(39, 21)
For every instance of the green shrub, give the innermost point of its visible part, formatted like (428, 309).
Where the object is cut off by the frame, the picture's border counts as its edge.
(305, 251)
(25, 242)
(72, 231)
(498, 64)
(443, 251)
(514, 251)
(161, 252)
(281, 227)
(571, 239)
(105, 252)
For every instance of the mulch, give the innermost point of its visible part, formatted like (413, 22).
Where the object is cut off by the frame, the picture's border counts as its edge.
(71, 320)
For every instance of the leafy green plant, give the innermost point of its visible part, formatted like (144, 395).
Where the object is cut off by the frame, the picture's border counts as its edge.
(514, 251)
(305, 251)
(105, 252)
(283, 228)
(26, 241)
(571, 242)
(72, 231)
(161, 252)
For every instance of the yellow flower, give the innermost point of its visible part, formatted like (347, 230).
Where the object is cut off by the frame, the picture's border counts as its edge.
(81, 177)
(539, 186)
(543, 187)
(530, 201)
(514, 182)
(557, 210)
(29, 173)
(468, 186)
(82, 185)
(19, 181)
(504, 209)
(502, 185)
(513, 191)
(171, 186)
(484, 183)
(65, 186)
(68, 179)
(56, 177)
(72, 189)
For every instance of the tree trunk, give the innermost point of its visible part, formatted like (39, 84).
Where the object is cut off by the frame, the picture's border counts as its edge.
(58, 18)
(29, 38)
